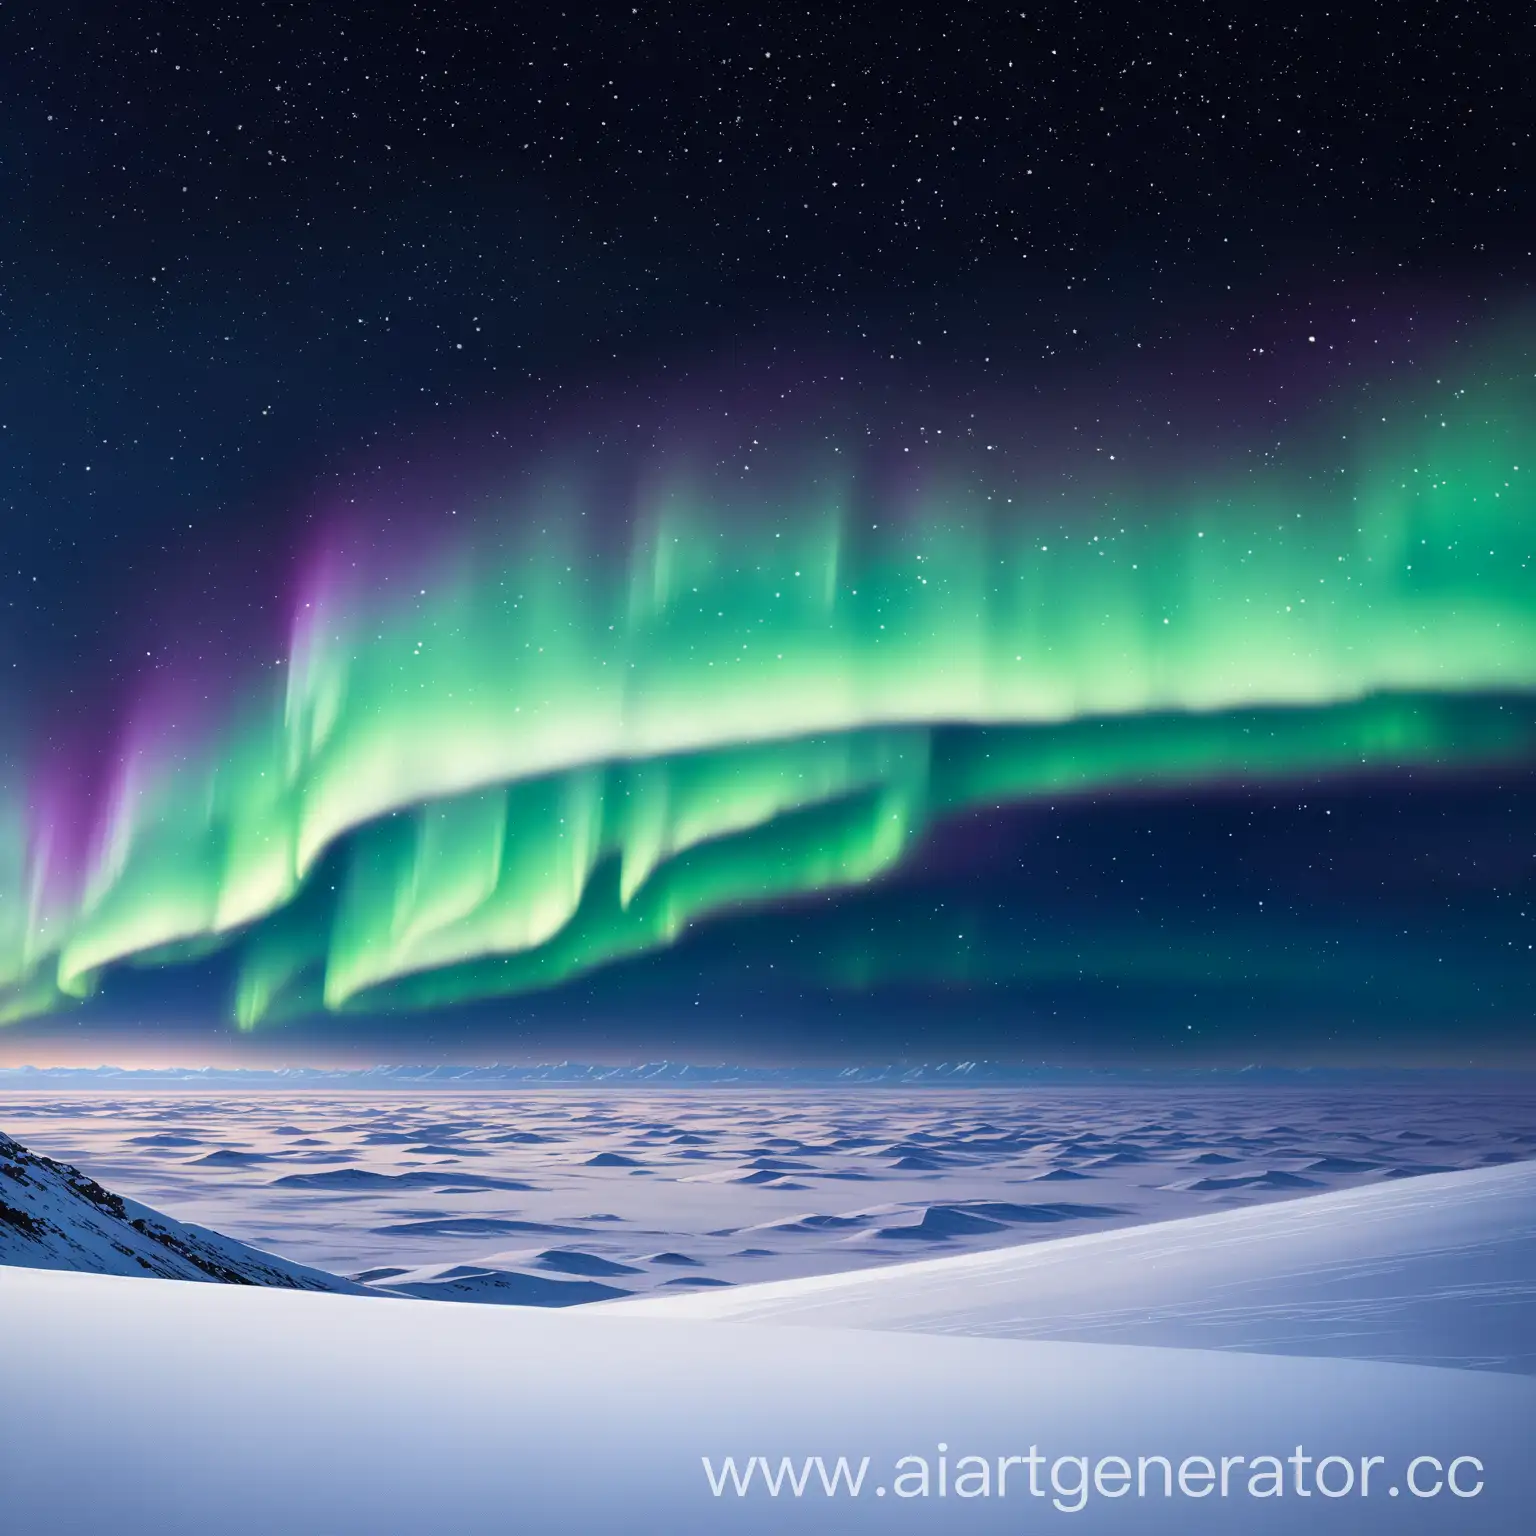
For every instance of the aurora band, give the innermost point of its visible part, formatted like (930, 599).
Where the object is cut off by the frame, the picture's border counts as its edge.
(545, 758)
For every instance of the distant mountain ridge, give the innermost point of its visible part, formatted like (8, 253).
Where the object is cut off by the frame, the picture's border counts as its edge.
(678, 1074)
(52, 1216)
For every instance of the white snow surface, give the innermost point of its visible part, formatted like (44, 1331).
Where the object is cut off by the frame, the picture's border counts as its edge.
(1437, 1270)
(168, 1408)
(565, 1195)
(136, 1408)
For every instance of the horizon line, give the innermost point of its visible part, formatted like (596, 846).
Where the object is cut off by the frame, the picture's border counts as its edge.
(679, 1072)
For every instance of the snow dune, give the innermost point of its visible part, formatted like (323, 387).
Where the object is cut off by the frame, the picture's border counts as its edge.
(254, 1408)
(1435, 1270)
(178, 1409)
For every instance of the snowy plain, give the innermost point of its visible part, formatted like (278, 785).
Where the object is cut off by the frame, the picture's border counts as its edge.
(1438, 1270)
(145, 1407)
(1391, 1316)
(576, 1195)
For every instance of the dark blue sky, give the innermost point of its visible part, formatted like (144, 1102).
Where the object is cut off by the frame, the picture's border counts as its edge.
(249, 254)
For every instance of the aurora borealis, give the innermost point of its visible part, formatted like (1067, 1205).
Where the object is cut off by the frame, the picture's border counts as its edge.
(760, 536)
(546, 752)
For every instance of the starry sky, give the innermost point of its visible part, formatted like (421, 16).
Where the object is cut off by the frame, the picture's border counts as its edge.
(348, 351)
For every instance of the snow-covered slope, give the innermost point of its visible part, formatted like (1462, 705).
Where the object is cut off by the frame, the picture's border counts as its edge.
(252, 1409)
(1437, 1270)
(175, 1410)
(53, 1216)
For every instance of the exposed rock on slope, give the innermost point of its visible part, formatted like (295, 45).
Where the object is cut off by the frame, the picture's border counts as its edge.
(53, 1216)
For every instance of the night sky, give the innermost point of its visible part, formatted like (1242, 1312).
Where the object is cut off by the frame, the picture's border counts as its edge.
(810, 421)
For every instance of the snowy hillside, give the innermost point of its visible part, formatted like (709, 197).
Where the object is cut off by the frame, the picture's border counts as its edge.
(1438, 1270)
(176, 1410)
(1216, 1342)
(53, 1217)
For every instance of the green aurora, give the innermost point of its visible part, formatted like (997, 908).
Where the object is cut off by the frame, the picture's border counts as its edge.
(546, 760)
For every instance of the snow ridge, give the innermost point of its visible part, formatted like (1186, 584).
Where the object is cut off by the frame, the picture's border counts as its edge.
(52, 1216)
